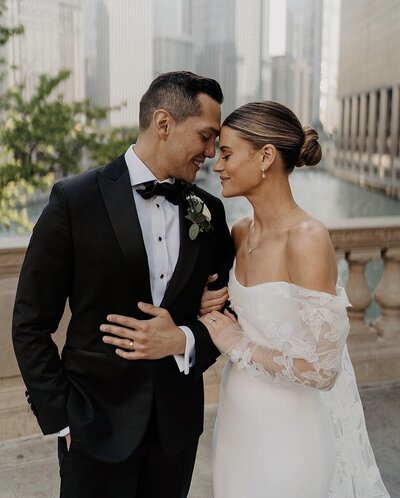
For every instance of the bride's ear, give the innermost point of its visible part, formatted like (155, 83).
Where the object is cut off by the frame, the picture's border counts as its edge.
(268, 155)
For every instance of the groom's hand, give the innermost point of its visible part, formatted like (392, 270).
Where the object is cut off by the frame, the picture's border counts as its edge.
(145, 339)
(213, 300)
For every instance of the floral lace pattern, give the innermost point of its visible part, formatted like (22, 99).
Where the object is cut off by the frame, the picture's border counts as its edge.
(305, 346)
(305, 349)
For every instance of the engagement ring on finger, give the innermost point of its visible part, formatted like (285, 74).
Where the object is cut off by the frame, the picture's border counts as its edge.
(131, 345)
(213, 319)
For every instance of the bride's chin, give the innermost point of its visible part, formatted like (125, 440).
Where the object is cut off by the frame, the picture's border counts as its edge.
(228, 192)
(225, 193)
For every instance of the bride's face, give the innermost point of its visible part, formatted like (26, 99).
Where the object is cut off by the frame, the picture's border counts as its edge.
(238, 165)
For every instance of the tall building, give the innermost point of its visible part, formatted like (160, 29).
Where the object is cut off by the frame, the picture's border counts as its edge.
(283, 79)
(369, 93)
(213, 32)
(118, 55)
(97, 52)
(252, 51)
(329, 102)
(297, 73)
(172, 41)
(231, 45)
(53, 40)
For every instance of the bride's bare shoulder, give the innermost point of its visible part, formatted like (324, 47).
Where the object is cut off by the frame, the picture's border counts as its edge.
(310, 255)
(239, 231)
(305, 227)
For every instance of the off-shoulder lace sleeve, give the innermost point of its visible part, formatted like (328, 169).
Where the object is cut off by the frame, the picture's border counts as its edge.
(307, 350)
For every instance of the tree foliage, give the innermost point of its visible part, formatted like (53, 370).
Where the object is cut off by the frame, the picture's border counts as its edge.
(6, 32)
(43, 137)
(109, 144)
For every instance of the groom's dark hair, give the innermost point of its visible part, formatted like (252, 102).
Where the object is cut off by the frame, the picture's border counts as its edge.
(177, 92)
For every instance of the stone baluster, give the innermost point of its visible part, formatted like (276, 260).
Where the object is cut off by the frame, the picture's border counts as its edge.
(359, 295)
(387, 295)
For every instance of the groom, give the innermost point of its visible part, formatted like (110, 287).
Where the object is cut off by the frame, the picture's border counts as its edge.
(110, 240)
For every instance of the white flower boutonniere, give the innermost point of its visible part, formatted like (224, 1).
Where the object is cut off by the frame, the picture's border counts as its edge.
(200, 216)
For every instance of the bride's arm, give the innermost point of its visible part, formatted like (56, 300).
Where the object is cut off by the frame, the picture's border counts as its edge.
(309, 355)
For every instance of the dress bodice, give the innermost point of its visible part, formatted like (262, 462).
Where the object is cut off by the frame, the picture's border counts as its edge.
(282, 297)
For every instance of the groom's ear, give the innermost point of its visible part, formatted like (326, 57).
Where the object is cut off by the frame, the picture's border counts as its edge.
(162, 120)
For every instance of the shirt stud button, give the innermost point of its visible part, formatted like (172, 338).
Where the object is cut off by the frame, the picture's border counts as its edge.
(160, 239)
(162, 275)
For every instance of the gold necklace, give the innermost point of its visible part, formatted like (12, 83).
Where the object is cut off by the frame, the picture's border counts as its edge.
(251, 249)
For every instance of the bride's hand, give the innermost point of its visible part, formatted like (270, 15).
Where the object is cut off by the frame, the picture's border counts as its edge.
(212, 300)
(224, 329)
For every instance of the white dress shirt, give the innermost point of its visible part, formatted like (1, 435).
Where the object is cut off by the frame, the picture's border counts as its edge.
(159, 221)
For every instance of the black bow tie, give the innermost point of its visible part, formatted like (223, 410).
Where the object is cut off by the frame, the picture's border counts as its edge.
(171, 191)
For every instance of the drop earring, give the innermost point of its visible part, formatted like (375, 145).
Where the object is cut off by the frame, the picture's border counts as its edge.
(263, 173)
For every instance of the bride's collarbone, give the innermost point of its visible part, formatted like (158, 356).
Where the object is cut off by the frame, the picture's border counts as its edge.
(266, 264)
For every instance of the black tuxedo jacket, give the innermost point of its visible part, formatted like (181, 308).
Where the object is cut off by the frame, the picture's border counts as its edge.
(87, 247)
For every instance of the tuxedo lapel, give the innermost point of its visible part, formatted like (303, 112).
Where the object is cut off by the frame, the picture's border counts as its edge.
(117, 193)
(188, 255)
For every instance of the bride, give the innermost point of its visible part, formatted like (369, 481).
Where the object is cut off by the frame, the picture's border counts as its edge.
(290, 422)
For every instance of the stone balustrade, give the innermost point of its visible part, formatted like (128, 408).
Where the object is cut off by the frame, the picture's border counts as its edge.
(374, 344)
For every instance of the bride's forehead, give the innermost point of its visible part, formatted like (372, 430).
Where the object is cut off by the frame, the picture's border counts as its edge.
(230, 138)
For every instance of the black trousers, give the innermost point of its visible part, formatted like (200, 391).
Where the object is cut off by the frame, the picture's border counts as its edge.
(149, 473)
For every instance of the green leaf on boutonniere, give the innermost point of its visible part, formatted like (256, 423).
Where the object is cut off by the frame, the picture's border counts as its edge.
(194, 231)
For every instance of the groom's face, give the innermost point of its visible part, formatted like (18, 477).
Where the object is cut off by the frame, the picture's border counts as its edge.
(191, 141)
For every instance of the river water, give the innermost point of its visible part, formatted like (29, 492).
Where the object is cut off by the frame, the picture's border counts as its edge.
(320, 194)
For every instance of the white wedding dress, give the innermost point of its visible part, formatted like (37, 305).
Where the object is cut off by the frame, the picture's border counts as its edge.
(290, 422)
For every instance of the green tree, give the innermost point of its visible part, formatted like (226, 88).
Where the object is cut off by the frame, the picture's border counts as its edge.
(6, 32)
(8, 196)
(43, 137)
(106, 145)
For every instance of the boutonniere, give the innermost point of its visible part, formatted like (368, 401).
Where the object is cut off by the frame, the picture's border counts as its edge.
(199, 214)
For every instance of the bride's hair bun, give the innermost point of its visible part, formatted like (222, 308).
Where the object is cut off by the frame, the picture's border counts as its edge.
(310, 152)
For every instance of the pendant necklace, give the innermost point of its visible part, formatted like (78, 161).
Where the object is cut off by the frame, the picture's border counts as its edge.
(251, 249)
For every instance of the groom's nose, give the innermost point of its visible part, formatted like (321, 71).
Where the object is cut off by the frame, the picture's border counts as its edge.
(210, 149)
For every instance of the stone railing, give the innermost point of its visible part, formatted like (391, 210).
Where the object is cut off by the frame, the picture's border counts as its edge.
(374, 344)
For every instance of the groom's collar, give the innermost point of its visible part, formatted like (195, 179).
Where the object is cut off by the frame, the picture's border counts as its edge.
(139, 173)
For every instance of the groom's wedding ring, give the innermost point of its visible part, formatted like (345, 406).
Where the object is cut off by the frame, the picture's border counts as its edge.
(131, 345)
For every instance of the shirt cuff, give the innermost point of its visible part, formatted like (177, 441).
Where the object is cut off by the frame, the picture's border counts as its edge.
(63, 432)
(186, 360)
